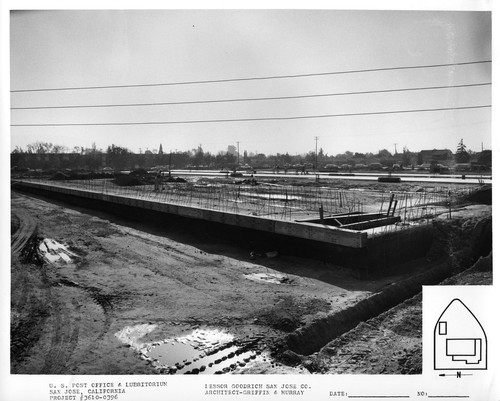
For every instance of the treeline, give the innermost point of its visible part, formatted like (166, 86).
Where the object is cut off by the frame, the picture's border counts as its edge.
(47, 156)
(43, 155)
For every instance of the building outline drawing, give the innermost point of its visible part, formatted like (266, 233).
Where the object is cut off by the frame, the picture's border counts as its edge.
(460, 342)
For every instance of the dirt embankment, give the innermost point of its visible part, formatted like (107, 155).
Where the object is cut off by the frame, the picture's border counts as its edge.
(390, 342)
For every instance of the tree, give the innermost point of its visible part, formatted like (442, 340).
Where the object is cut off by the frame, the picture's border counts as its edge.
(40, 147)
(225, 160)
(118, 157)
(310, 157)
(462, 156)
(461, 147)
(407, 155)
(59, 149)
(198, 156)
(384, 153)
(420, 158)
(287, 159)
(16, 157)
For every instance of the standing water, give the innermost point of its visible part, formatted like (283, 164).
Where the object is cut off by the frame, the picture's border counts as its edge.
(203, 351)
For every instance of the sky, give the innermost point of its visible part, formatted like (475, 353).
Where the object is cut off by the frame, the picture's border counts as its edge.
(310, 57)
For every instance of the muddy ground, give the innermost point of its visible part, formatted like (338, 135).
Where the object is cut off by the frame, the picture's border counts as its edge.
(391, 342)
(71, 308)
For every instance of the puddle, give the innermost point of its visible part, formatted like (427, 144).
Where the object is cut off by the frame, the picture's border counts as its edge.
(203, 351)
(270, 196)
(273, 278)
(55, 252)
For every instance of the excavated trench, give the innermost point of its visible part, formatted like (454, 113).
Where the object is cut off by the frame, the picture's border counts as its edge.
(309, 339)
(457, 245)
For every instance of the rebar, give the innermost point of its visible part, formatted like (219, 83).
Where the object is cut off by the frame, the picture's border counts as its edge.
(283, 202)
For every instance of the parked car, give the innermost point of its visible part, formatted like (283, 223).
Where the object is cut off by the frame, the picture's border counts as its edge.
(245, 167)
(331, 168)
(423, 167)
(375, 166)
(440, 169)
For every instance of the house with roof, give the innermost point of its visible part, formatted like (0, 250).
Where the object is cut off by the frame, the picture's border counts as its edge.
(436, 156)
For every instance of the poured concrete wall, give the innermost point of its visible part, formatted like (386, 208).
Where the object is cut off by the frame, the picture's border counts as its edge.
(389, 249)
(367, 254)
(308, 231)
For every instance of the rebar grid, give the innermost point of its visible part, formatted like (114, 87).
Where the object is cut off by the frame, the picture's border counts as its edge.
(282, 202)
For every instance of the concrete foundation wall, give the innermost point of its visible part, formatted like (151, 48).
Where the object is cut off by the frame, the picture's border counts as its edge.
(343, 247)
(315, 232)
(399, 246)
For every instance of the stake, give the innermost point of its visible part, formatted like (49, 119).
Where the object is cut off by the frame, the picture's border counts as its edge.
(394, 209)
(390, 205)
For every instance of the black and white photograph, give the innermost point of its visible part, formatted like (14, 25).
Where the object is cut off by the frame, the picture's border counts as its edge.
(283, 202)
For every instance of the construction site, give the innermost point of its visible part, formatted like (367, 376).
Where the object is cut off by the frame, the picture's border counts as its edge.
(211, 274)
(231, 191)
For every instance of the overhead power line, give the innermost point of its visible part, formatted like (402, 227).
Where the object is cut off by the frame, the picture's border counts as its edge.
(251, 119)
(250, 99)
(251, 78)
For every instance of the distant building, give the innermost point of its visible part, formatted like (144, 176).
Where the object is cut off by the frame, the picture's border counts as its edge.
(439, 156)
(484, 157)
(480, 161)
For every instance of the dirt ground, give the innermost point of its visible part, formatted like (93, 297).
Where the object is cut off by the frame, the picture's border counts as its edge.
(70, 309)
(391, 342)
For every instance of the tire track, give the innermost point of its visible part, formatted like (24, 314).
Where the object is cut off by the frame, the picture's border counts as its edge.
(27, 230)
(103, 300)
(67, 322)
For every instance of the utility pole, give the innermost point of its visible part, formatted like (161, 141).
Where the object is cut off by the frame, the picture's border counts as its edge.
(316, 166)
(170, 164)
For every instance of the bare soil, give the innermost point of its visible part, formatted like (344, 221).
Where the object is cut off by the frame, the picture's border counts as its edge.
(391, 342)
